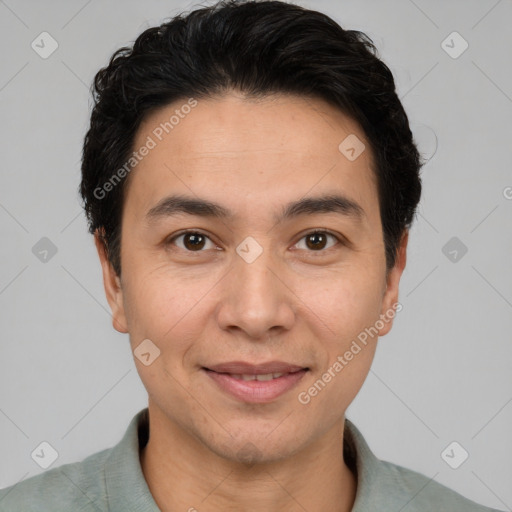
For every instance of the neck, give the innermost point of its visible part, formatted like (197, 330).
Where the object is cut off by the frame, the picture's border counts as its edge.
(183, 474)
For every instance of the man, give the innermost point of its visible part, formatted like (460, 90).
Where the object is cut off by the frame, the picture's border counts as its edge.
(250, 179)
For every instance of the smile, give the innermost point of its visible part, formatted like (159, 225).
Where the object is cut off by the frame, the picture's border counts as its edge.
(255, 388)
(261, 378)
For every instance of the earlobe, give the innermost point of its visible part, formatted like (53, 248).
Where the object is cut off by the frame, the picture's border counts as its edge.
(390, 299)
(112, 286)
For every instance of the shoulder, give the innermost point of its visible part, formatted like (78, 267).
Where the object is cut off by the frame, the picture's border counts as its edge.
(388, 487)
(418, 493)
(76, 486)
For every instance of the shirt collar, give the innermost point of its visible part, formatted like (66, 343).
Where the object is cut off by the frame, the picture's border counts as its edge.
(124, 478)
(361, 460)
(126, 484)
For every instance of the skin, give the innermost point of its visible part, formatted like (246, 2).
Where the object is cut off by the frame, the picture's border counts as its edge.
(295, 303)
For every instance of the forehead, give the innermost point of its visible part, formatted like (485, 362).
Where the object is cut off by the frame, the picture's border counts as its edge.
(272, 149)
(233, 123)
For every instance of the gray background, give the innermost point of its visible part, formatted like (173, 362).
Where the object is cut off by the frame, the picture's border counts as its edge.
(444, 372)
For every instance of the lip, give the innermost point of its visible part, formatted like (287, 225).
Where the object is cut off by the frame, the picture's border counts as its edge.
(241, 367)
(255, 391)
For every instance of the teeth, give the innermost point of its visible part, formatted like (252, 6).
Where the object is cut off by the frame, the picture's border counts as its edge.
(261, 378)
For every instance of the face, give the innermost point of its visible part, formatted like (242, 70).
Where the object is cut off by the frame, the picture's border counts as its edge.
(263, 283)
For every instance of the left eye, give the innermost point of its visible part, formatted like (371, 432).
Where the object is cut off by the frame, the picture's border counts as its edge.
(195, 241)
(317, 240)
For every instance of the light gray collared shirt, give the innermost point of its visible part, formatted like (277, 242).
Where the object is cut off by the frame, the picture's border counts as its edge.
(112, 481)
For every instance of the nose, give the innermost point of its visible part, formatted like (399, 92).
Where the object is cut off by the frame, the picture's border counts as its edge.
(256, 297)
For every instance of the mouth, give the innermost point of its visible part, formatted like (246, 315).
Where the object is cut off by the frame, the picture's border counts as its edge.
(255, 383)
(261, 378)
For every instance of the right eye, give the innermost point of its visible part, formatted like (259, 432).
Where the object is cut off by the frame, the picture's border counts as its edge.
(193, 241)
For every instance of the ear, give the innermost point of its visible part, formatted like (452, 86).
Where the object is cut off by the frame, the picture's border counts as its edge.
(112, 285)
(390, 300)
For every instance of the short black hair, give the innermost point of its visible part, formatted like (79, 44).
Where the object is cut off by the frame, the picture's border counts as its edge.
(258, 48)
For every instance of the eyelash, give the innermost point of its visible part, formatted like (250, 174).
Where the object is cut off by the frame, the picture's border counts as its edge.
(170, 241)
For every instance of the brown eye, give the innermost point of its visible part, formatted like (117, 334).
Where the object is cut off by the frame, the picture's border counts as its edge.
(192, 241)
(318, 240)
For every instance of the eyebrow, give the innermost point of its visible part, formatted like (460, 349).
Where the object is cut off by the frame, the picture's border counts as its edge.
(181, 204)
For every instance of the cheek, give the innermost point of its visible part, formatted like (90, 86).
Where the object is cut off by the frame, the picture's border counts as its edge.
(344, 309)
(164, 311)
(168, 310)
(342, 304)
(348, 350)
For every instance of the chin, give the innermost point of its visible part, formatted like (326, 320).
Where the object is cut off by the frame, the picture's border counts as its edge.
(249, 450)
